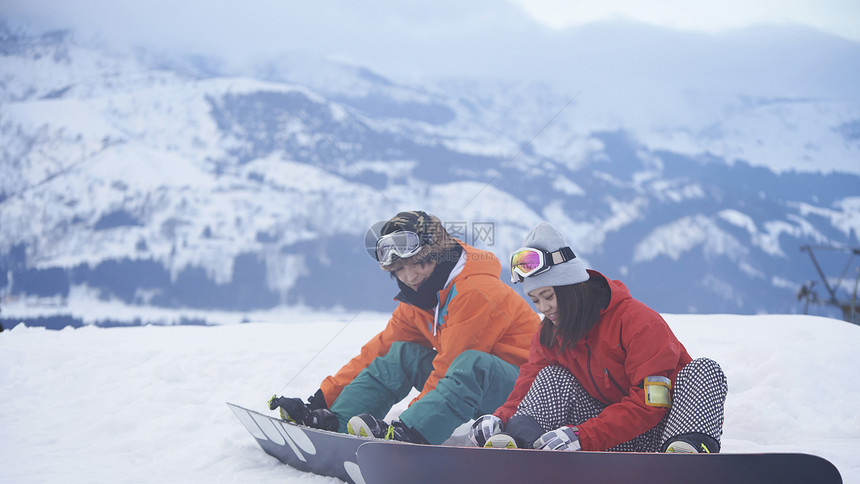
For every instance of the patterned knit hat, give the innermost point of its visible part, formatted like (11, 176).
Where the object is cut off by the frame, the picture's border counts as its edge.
(435, 240)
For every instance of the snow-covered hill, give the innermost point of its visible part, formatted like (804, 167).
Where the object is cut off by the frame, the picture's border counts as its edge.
(163, 182)
(146, 404)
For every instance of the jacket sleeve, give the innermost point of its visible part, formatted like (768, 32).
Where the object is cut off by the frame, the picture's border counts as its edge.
(473, 323)
(538, 359)
(399, 328)
(652, 349)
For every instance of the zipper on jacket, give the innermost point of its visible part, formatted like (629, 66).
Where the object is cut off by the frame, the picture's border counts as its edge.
(593, 381)
(612, 380)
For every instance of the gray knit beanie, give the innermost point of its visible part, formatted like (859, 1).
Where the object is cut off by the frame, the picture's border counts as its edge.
(545, 236)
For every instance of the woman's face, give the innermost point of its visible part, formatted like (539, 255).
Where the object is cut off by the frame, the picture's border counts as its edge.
(413, 275)
(545, 301)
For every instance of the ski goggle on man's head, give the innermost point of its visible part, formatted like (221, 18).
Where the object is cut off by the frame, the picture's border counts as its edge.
(528, 261)
(403, 244)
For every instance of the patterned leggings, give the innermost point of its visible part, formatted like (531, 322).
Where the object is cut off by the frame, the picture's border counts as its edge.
(556, 398)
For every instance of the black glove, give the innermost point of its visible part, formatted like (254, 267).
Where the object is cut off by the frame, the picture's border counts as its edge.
(322, 418)
(317, 400)
(314, 414)
(291, 409)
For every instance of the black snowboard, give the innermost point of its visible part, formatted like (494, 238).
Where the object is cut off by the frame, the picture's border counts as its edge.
(411, 463)
(311, 450)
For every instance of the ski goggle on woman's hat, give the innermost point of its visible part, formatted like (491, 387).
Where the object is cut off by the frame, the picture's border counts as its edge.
(403, 244)
(529, 261)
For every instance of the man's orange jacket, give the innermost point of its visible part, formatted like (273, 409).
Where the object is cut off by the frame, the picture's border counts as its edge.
(476, 311)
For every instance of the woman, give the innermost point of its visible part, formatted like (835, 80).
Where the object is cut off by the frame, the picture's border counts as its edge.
(605, 372)
(459, 336)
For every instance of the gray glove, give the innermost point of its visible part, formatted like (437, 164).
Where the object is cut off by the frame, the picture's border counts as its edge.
(483, 428)
(562, 438)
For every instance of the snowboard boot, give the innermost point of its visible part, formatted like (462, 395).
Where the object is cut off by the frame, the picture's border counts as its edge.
(501, 441)
(366, 425)
(692, 443)
(400, 432)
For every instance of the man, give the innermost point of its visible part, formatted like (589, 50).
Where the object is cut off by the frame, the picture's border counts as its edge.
(458, 335)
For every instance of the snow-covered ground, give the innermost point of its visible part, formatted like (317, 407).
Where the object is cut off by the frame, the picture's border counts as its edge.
(146, 404)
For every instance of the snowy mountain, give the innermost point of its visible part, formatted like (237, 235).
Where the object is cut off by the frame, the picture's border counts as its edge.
(163, 180)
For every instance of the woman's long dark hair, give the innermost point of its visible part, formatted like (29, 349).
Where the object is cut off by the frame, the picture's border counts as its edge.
(579, 307)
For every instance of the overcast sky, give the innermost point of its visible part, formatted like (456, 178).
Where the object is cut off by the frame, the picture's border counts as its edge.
(407, 39)
(841, 17)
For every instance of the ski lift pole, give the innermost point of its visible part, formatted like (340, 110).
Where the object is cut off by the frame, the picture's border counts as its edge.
(808, 296)
(820, 273)
(854, 298)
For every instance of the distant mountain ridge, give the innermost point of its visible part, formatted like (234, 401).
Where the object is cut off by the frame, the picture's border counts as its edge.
(163, 182)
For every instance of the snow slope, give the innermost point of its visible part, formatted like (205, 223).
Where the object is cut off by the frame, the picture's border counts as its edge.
(146, 404)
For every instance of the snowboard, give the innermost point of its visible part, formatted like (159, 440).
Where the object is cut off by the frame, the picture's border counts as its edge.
(412, 463)
(307, 449)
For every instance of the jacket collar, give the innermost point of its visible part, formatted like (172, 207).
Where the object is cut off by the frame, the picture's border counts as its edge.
(426, 297)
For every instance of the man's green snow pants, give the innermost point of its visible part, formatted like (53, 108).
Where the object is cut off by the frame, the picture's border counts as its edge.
(475, 384)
